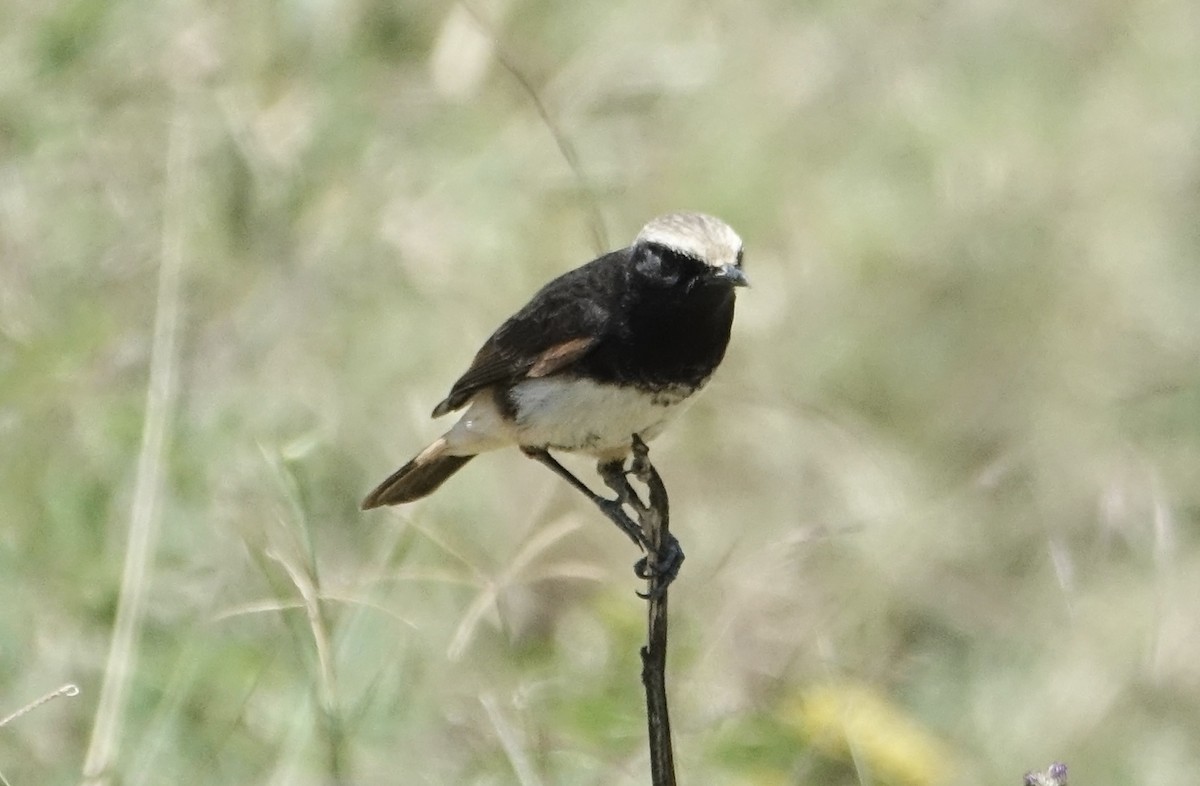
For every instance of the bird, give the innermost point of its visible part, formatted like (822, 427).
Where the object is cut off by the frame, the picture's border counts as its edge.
(602, 356)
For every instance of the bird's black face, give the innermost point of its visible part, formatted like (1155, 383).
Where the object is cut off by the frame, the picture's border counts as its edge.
(657, 266)
(661, 267)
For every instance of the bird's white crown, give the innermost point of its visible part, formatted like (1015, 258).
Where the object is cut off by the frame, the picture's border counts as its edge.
(701, 237)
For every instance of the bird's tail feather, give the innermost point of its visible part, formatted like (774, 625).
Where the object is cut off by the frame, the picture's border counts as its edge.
(417, 478)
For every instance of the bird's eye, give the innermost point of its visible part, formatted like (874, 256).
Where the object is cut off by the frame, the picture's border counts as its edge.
(661, 266)
(649, 264)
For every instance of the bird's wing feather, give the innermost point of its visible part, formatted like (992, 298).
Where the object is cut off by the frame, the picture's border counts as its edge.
(560, 325)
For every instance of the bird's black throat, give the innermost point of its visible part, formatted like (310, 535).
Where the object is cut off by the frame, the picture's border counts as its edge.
(667, 333)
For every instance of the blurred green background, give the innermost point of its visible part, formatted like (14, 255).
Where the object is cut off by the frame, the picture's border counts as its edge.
(940, 504)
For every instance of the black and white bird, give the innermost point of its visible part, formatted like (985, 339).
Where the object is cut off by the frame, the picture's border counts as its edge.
(607, 351)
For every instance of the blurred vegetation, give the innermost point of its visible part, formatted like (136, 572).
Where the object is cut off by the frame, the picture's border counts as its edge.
(940, 505)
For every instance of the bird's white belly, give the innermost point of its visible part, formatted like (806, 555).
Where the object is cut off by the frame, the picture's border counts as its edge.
(565, 414)
(579, 415)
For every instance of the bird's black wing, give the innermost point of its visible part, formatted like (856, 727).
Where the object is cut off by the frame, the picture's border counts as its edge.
(562, 323)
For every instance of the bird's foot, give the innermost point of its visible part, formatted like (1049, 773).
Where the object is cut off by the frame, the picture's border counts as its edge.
(660, 567)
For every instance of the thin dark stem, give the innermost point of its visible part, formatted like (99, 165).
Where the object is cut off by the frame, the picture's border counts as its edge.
(659, 567)
(655, 523)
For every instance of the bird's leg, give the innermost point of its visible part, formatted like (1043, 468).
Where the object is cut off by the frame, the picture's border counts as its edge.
(613, 509)
(616, 477)
(664, 558)
(640, 466)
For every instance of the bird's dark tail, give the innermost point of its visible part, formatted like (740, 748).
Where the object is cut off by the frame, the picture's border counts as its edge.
(417, 478)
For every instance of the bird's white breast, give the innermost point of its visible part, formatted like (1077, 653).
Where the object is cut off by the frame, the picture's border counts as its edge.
(580, 415)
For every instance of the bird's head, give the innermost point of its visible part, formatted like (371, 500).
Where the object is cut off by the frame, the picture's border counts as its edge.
(691, 248)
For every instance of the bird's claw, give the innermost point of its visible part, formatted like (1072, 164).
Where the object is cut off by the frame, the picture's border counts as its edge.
(660, 568)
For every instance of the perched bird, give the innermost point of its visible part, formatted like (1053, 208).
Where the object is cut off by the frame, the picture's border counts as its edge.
(607, 351)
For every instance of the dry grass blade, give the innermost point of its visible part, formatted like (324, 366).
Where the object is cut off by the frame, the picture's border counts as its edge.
(143, 526)
(574, 570)
(69, 689)
(537, 545)
(275, 606)
(307, 588)
(517, 756)
(483, 602)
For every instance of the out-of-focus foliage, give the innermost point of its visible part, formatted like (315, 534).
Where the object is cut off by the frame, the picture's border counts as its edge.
(940, 505)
